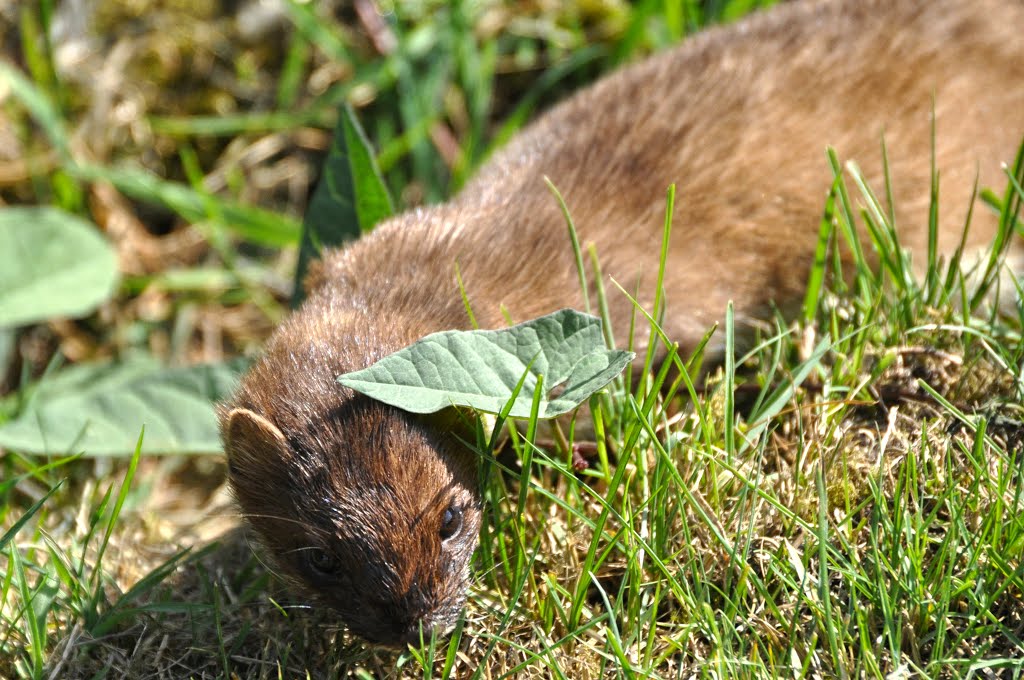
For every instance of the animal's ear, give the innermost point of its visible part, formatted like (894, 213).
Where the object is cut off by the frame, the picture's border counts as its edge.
(251, 441)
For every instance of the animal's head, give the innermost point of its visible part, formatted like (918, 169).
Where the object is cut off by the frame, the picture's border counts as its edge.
(368, 509)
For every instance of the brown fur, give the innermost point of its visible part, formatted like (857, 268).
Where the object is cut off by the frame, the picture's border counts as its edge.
(739, 118)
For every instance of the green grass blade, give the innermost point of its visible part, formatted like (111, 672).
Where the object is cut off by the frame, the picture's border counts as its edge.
(577, 252)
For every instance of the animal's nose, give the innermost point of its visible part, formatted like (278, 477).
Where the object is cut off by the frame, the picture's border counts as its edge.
(397, 634)
(397, 627)
(416, 632)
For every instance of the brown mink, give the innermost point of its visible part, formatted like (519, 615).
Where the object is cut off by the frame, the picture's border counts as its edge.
(375, 512)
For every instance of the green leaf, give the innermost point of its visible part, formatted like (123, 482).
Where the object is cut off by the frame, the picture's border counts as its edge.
(480, 369)
(52, 263)
(349, 200)
(373, 202)
(100, 409)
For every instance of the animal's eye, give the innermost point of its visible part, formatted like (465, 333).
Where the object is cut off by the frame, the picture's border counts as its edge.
(321, 562)
(451, 522)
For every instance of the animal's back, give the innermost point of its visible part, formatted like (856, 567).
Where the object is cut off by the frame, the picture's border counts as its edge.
(739, 118)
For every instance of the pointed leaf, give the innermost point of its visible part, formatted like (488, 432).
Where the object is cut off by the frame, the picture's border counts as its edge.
(480, 369)
(349, 200)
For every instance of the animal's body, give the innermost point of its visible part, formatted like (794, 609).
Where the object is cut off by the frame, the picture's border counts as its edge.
(375, 511)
